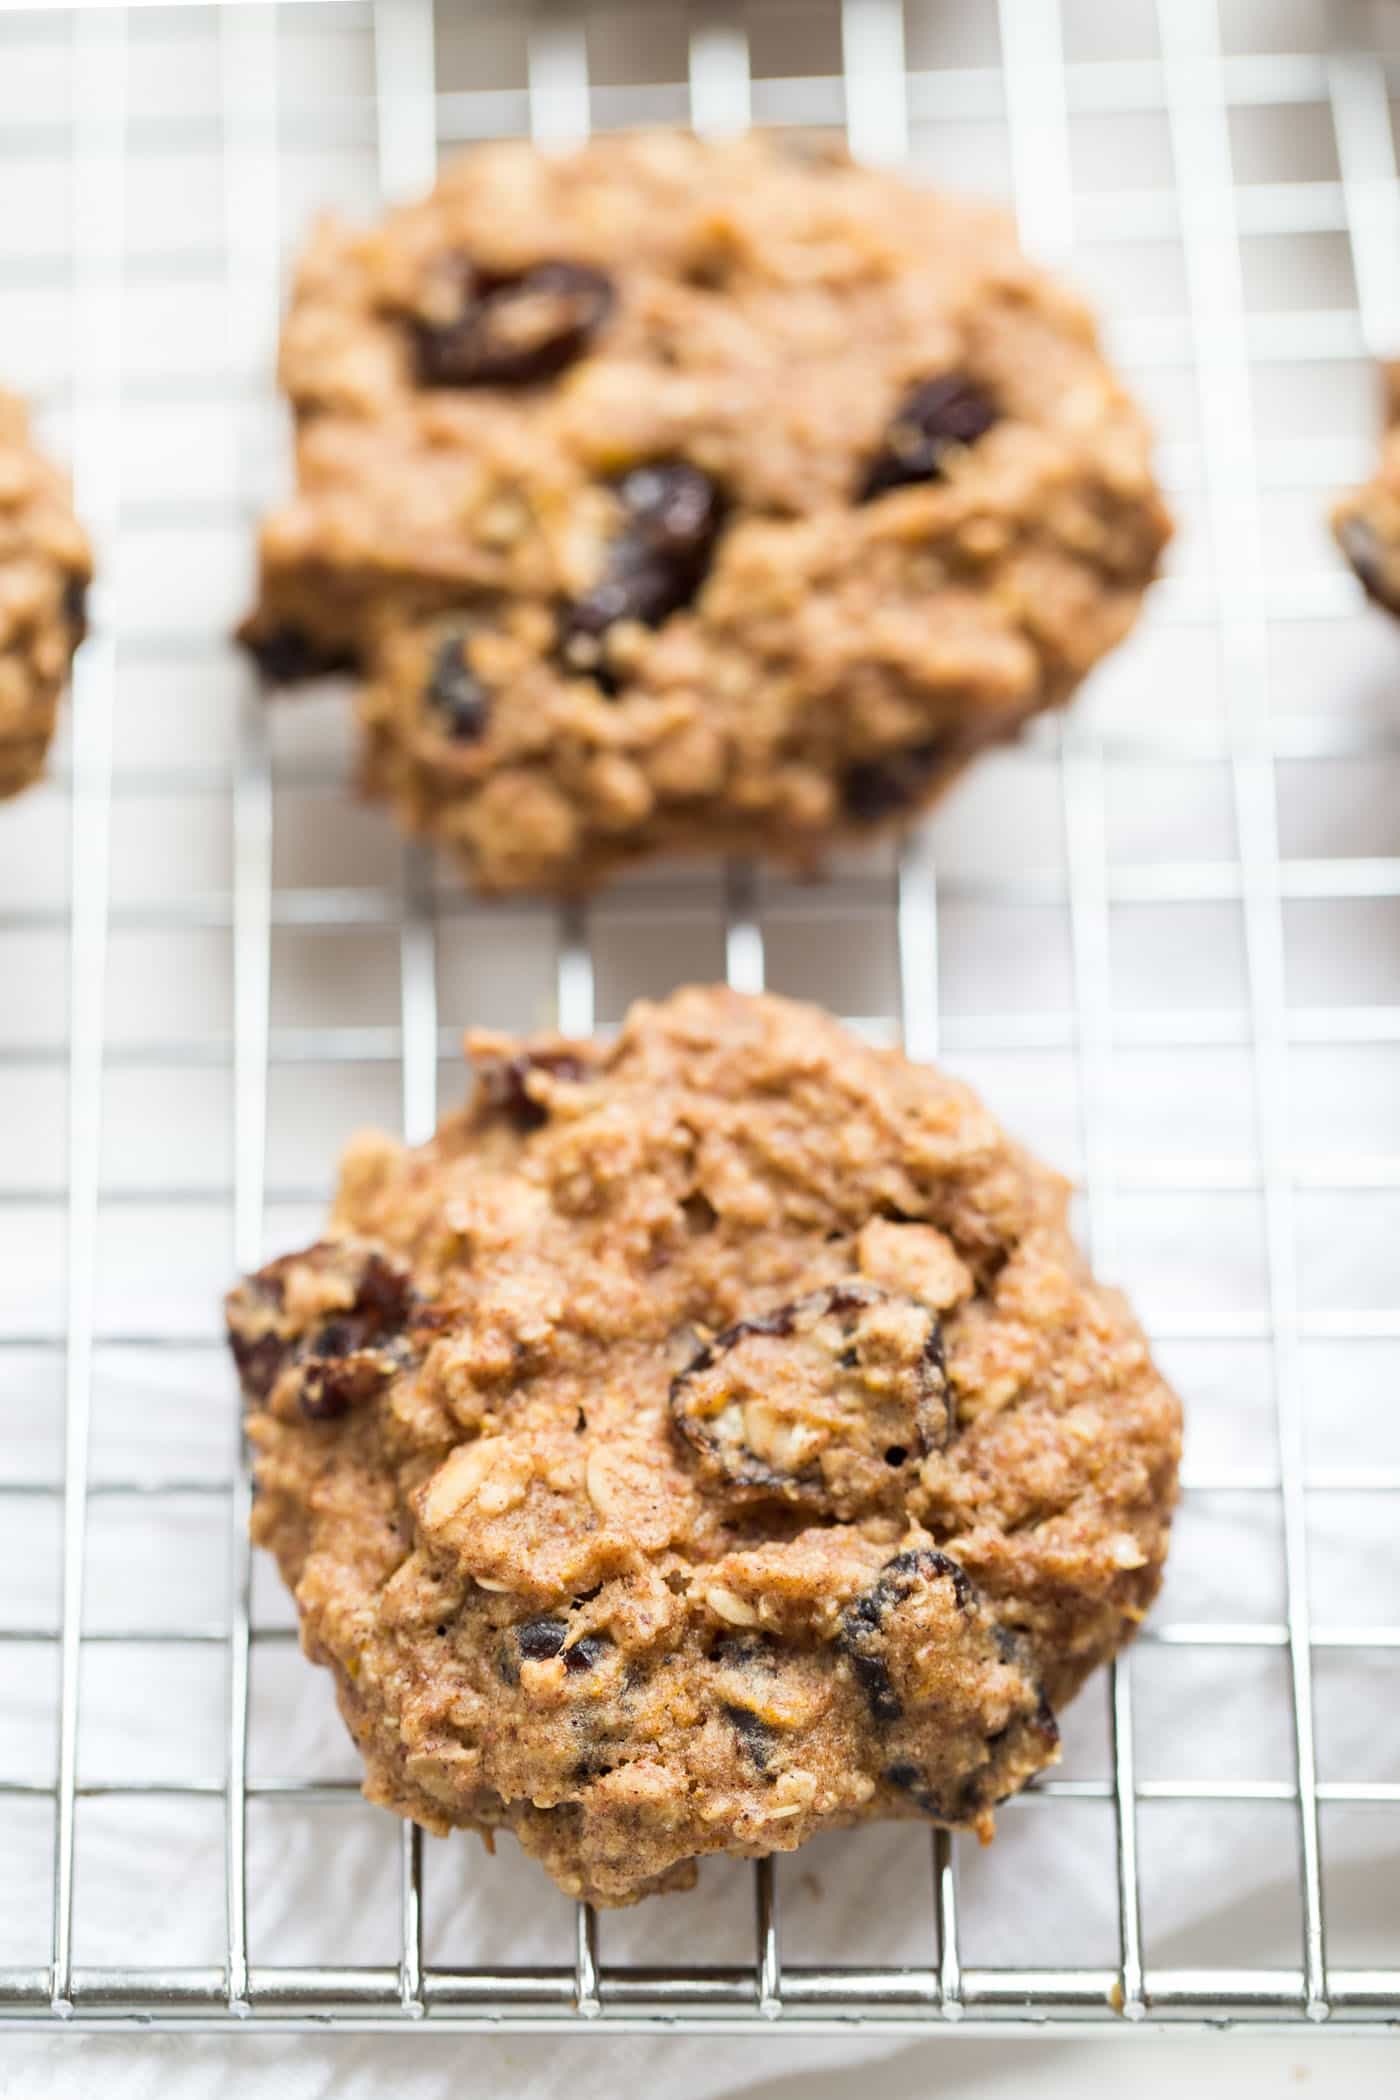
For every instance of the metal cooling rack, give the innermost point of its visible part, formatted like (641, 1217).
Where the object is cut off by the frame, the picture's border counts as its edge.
(1179, 68)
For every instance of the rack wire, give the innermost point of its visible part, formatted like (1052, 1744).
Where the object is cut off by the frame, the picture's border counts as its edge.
(1183, 65)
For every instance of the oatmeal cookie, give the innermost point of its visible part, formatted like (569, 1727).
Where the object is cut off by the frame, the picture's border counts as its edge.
(706, 1440)
(45, 568)
(1366, 521)
(683, 495)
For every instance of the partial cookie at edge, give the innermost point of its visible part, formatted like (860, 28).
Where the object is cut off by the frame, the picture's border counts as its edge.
(45, 567)
(1366, 521)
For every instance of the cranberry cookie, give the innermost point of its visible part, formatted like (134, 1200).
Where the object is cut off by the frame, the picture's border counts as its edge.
(692, 496)
(1367, 520)
(705, 1440)
(45, 567)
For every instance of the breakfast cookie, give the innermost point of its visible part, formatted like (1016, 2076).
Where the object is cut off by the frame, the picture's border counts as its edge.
(45, 567)
(708, 1439)
(683, 495)
(1367, 520)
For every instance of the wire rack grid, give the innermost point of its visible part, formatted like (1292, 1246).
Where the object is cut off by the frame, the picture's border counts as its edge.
(877, 69)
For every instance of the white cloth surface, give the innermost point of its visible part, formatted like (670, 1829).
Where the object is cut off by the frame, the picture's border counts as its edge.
(536, 2068)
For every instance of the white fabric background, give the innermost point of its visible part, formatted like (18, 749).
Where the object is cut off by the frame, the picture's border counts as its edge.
(436, 2067)
(1219, 1883)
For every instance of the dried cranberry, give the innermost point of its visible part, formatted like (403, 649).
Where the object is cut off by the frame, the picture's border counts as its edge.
(657, 563)
(503, 1084)
(673, 504)
(538, 1639)
(455, 694)
(984, 1787)
(343, 1361)
(754, 1733)
(592, 1766)
(864, 1623)
(875, 788)
(75, 606)
(932, 420)
(516, 329)
(744, 1651)
(960, 1735)
(964, 1802)
(338, 1380)
(383, 1293)
(583, 1653)
(825, 1439)
(259, 1364)
(287, 655)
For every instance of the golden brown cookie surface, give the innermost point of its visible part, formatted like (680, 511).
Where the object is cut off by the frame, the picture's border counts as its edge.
(706, 1440)
(686, 496)
(45, 567)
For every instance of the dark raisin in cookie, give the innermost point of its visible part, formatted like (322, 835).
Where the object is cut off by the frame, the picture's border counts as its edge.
(322, 1368)
(513, 328)
(822, 1402)
(660, 1477)
(745, 498)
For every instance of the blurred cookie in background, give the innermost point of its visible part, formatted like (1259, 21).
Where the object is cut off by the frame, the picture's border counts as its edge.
(45, 568)
(1367, 520)
(683, 496)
